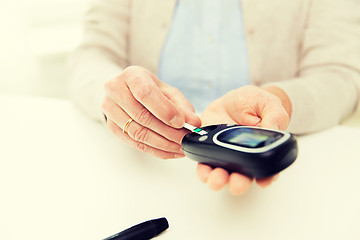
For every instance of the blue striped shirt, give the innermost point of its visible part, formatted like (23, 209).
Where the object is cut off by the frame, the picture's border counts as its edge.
(205, 53)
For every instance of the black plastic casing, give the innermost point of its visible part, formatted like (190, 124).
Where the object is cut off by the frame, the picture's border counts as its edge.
(142, 231)
(258, 165)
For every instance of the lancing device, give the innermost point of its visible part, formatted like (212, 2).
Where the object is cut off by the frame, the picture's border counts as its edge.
(142, 231)
(252, 151)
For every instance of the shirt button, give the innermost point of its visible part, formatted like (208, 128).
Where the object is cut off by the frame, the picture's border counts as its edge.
(251, 31)
(256, 81)
(164, 26)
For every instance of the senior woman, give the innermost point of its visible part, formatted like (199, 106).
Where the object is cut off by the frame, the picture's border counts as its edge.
(148, 65)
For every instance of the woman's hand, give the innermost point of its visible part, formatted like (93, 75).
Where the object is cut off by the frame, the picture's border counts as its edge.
(251, 106)
(157, 109)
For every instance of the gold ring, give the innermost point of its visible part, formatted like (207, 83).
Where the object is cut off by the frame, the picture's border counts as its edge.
(127, 125)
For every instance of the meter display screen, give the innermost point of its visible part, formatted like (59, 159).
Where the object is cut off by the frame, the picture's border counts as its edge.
(251, 138)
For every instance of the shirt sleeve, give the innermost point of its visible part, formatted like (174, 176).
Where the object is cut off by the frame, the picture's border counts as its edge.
(328, 84)
(101, 55)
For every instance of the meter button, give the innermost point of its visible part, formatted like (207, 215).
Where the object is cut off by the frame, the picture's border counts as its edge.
(203, 138)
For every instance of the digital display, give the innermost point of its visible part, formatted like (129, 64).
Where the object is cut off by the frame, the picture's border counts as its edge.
(248, 139)
(251, 138)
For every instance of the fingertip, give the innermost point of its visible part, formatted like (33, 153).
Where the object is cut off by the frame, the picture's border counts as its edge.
(239, 184)
(218, 178)
(191, 117)
(275, 177)
(275, 126)
(275, 117)
(265, 182)
(203, 172)
(269, 122)
(177, 121)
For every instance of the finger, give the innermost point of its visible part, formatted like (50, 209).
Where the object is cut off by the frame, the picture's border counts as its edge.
(215, 115)
(191, 117)
(274, 116)
(138, 132)
(149, 137)
(218, 178)
(265, 182)
(117, 131)
(249, 120)
(203, 171)
(178, 98)
(175, 96)
(121, 95)
(148, 93)
(242, 110)
(239, 184)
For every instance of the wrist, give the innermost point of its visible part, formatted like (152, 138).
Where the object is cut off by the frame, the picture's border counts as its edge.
(281, 94)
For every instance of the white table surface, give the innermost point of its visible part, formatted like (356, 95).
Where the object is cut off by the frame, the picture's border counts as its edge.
(64, 176)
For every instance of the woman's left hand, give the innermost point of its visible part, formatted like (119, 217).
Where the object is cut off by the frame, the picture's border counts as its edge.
(251, 106)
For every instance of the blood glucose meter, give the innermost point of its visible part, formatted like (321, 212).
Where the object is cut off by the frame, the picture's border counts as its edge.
(252, 151)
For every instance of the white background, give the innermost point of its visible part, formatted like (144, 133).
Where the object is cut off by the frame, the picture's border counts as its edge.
(35, 38)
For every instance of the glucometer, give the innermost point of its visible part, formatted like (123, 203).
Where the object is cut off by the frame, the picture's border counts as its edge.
(252, 151)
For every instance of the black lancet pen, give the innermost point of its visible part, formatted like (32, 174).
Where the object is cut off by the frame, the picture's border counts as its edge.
(142, 231)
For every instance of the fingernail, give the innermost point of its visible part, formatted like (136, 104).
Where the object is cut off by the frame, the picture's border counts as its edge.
(275, 127)
(177, 122)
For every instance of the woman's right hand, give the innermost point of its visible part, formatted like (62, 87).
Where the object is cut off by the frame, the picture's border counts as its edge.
(157, 109)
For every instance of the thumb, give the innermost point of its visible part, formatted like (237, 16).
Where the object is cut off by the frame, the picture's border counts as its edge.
(191, 117)
(275, 118)
(178, 98)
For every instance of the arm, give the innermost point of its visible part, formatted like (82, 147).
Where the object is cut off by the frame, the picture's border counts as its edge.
(327, 88)
(324, 93)
(101, 55)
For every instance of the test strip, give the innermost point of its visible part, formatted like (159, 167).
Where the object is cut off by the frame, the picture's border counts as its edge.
(195, 129)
